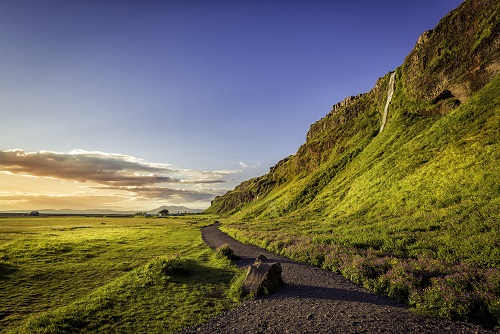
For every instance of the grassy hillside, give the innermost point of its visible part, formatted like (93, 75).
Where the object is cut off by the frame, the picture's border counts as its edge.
(414, 215)
(412, 211)
(107, 275)
(420, 172)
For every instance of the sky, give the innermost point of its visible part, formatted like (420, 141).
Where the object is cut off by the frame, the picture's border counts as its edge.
(131, 105)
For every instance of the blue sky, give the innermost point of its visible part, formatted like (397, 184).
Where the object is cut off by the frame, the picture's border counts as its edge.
(178, 100)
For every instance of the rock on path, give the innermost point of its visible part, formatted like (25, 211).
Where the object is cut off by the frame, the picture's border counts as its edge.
(316, 301)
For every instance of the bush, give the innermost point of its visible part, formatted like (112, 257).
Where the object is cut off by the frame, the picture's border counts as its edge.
(457, 291)
(224, 251)
(161, 269)
(467, 294)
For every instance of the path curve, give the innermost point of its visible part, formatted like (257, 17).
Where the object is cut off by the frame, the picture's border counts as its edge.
(316, 301)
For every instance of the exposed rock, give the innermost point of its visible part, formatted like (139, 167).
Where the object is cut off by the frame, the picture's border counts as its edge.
(422, 39)
(443, 104)
(445, 94)
(345, 102)
(461, 50)
(263, 277)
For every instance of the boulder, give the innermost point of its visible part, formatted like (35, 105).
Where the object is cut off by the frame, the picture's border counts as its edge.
(263, 277)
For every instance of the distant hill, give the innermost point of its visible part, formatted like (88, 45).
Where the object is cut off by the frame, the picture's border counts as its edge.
(171, 209)
(75, 212)
(175, 209)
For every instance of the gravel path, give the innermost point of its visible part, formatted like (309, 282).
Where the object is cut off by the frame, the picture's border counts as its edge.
(316, 301)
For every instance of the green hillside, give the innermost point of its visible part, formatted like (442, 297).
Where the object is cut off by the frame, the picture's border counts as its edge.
(421, 197)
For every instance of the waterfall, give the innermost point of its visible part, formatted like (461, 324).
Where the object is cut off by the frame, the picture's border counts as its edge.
(390, 91)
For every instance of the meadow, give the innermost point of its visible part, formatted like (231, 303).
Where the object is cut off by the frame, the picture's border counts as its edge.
(108, 275)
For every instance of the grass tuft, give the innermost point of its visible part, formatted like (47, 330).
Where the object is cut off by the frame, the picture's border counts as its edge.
(224, 251)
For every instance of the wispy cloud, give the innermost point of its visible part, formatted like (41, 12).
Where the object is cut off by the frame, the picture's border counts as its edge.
(108, 171)
(249, 165)
(173, 195)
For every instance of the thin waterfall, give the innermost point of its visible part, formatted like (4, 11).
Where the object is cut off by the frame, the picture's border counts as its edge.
(390, 91)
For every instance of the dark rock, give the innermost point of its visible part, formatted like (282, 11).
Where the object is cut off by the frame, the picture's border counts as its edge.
(445, 94)
(263, 277)
(442, 104)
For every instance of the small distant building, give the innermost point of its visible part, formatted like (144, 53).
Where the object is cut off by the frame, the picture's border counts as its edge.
(35, 213)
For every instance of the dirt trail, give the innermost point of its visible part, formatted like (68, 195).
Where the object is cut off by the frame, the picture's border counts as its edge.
(316, 301)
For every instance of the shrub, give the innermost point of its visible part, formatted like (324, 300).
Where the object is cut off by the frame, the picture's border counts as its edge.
(161, 269)
(468, 294)
(224, 251)
(457, 291)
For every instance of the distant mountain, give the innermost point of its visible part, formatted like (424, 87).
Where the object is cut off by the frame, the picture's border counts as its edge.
(170, 208)
(175, 209)
(85, 212)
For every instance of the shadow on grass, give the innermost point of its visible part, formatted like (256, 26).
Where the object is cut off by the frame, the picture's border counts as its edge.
(198, 273)
(6, 270)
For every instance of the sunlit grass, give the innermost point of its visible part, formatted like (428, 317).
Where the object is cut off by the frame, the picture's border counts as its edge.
(77, 274)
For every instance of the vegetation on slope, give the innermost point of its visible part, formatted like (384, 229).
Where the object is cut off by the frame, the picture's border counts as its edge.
(412, 211)
(420, 225)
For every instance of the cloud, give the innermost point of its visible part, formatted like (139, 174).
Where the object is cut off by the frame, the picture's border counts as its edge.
(245, 165)
(107, 169)
(173, 195)
(103, 180)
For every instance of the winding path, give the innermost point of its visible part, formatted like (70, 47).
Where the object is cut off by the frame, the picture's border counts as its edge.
(316, 301)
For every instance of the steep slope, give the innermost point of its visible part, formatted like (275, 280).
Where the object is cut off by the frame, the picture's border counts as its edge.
(413, 210)
(446, 68)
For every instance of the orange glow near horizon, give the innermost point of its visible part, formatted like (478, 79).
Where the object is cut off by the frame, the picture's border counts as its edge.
(26, 193)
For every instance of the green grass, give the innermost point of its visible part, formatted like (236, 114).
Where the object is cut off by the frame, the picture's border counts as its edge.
(79, 274)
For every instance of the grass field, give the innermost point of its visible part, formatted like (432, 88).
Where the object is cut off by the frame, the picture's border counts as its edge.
(108, 275)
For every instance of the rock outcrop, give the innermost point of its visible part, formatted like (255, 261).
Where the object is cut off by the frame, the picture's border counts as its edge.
(460, 55)
(263, 277)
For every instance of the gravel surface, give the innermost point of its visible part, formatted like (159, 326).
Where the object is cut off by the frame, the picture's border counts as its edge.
(316, 301)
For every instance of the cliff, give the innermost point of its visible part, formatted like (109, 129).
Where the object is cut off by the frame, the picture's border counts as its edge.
(446, 68)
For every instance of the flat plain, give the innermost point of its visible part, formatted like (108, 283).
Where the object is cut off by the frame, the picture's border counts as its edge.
(103, 274)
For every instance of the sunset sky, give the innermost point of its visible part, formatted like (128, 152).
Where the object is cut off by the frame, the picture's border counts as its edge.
(130, 105)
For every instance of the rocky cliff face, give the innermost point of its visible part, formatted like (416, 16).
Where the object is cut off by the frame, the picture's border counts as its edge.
(460, 55)
(446, 67)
